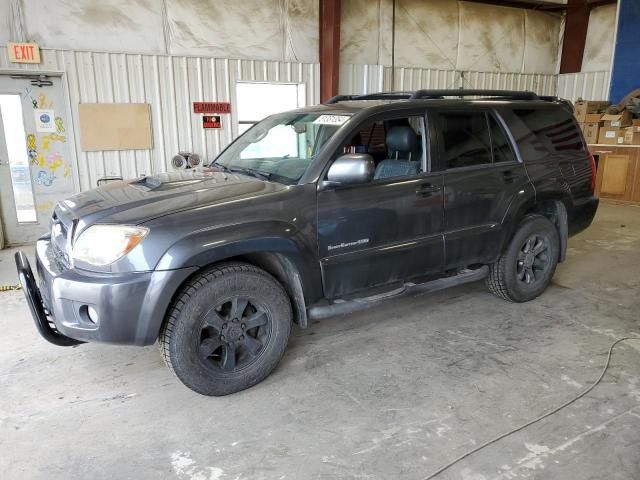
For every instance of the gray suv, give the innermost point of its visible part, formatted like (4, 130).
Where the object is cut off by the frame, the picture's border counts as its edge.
(312, 213)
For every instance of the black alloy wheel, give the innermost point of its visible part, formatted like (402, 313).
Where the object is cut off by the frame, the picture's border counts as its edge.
(526, 267)
(533, 259)
(233, 334)
(227, 328)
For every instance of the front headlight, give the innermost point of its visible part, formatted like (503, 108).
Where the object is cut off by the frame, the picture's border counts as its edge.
(104, 244)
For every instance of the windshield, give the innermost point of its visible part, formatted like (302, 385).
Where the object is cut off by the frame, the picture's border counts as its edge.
(281, 147)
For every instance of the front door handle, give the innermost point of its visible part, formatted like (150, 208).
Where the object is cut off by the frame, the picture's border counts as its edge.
(427, 189)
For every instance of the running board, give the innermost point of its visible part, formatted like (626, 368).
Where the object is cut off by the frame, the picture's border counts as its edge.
(341, 307)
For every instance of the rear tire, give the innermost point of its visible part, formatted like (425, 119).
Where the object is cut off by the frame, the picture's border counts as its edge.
(227, 329)
(525, 269)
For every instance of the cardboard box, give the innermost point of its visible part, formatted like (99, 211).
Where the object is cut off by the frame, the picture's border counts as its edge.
(611, 136)
(590, 131)
(619, 120)
(584, 107)
(635, 122)
(632, 135)
(593, 117)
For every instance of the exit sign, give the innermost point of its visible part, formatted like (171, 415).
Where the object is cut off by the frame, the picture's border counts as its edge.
(23, 52)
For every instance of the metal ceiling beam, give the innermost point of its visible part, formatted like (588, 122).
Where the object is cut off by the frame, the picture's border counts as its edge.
(575, 36)
(329, 48)
(526, 4)
(540, 4)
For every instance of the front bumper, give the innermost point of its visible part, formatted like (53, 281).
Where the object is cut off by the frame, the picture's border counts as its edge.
(130, 306)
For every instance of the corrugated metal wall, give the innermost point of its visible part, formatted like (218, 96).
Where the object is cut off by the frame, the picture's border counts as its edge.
(585, 85)
(170, 84)
(356, 79)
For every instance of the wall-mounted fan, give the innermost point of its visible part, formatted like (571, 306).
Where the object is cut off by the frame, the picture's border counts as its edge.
(185, 160)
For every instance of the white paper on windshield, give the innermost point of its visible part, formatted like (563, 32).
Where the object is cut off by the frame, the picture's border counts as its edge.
(331, 119)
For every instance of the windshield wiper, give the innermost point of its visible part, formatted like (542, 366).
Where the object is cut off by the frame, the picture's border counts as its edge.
(252, 171)
(224, 168)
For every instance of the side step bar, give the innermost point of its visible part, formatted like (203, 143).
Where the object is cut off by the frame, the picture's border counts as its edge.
(341, 307)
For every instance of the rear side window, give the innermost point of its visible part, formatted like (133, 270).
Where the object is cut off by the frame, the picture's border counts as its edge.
(473, 138)
(549, 131)
(466, 139)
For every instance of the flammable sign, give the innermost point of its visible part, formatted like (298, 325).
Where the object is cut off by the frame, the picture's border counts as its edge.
(211, 121)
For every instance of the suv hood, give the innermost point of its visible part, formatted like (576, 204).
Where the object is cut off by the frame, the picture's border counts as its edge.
(138, 201)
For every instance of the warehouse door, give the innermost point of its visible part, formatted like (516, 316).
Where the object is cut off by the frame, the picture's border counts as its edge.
(35, 164)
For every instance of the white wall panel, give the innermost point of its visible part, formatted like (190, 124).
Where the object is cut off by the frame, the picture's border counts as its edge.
(598, 47)
(5, 22)
(585, 85)
(257, 29)
(170, 84)
(114, 25)
(450, 35)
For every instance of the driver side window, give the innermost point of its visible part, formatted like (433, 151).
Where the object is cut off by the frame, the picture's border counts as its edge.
(397, 146)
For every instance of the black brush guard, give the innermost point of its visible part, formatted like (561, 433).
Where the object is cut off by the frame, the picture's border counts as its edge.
(34, 299)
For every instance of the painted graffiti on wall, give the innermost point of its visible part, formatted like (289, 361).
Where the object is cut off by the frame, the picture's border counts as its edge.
(45, 178)
(43, 102)
(44, 149)
(28, 91)
(32, 148)
(45, 207)
(52, 137)
(59, 125)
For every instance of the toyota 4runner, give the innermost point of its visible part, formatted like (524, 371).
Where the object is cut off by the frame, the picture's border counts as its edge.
(312, 213)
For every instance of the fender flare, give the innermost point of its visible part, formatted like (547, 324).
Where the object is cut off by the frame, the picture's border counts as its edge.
(276, 247)
(516, 212)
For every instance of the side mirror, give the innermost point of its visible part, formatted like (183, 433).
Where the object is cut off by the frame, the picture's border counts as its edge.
(350, 169)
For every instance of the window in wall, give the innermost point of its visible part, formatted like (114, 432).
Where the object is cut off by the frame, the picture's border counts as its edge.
(259, 100)
(14, 135)
(466, 138)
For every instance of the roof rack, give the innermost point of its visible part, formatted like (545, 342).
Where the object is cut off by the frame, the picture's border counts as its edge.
(370, 96)
(439, 94)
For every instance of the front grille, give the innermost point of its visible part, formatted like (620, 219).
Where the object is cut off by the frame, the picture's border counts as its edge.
(57, 259)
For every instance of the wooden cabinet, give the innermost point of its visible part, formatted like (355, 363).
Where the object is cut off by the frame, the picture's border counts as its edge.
(618, 172)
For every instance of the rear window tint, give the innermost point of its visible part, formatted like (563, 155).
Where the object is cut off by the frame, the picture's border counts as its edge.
(466, 137)
(549, 131)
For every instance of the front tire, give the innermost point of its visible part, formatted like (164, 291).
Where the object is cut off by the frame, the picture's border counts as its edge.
(227, 329)
(525, 269)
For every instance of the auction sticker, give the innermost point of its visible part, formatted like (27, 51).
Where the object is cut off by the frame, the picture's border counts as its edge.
(331, 119)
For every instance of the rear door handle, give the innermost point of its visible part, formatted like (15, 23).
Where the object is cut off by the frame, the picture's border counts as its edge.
(426, 189)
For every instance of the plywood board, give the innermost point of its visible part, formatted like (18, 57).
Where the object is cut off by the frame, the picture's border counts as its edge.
(115, 126)
(614, 176)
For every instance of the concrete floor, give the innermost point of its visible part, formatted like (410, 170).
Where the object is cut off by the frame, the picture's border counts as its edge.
(390, 393)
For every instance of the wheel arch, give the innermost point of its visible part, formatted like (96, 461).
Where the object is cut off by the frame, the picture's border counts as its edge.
(556, 211)
(553, 207)
(277, 249)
